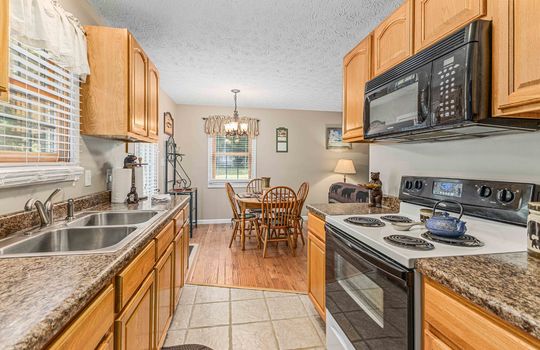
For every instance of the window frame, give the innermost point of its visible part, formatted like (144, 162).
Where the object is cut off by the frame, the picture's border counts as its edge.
(29, 168)
(220, 183)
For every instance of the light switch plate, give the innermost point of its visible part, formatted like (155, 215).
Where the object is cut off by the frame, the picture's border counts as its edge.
(87, 178)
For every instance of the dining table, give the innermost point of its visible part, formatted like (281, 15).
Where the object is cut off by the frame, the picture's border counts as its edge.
(247, 201)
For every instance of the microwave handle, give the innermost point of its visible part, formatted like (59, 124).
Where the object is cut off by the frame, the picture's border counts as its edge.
(424, 97)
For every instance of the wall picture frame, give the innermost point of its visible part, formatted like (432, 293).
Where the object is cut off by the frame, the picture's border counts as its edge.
(282, 140)
(334, 139)
(168, 124)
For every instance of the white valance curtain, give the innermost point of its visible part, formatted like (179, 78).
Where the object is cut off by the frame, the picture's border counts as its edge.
(44, 24)
(215, 125)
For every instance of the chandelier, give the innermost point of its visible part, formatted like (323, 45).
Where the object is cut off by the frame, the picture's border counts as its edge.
(235, 126)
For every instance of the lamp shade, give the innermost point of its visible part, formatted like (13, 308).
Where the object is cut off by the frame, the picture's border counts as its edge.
(345, 166)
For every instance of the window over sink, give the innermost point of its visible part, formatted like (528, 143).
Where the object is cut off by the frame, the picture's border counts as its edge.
(231, 159)
(39, 124)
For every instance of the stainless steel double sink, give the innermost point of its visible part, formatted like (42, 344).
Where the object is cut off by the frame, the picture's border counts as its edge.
(94, 232)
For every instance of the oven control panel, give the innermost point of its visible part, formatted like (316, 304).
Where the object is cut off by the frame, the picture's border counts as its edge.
(497, 200)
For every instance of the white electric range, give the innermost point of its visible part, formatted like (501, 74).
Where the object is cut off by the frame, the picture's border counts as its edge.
(372, 291)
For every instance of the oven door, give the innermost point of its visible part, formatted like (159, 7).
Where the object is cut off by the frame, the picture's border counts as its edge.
(400, 106)
(369, 296)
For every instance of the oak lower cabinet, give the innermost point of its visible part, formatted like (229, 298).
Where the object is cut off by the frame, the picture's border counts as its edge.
(186, 251)
(4, 49)
(134, 327)
(356, 72)
(452, 322)
(434, 19)
(178, 265)
(393, 38)
(516, 48)
(120, 98)
(92, 327)
(317, 264)
(164, 294)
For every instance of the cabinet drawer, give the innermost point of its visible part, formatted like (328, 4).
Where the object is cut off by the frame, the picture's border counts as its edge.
(316, 227)
(107, 343)
(129, 280)
(466, 326)
(91, 326)
(164, 238)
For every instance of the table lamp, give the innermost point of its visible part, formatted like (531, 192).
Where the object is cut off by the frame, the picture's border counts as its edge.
(345, 166)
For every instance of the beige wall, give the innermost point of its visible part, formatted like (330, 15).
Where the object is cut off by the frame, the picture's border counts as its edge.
(307, 159)
(96, 154)
(505, 158)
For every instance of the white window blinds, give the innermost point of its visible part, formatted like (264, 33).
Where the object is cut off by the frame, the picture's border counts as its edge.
(39, 125)
(231, 159)
(149, 152)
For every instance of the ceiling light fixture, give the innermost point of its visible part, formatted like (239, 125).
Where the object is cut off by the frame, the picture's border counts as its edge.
(236, 126)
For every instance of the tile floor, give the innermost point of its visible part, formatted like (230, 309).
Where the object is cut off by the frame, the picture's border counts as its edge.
(237, 319)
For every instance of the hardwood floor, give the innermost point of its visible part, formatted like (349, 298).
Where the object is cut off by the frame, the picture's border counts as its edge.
(217, 264)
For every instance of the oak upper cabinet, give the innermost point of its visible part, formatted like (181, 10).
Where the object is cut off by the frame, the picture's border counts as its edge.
(134, 327)
(120, 96)
(434, 19)
(516, 52)
(153, 101)
(356, 72)
(138, 88)
(393, 38)
(317, 263)
(164, 295)
(4, 49)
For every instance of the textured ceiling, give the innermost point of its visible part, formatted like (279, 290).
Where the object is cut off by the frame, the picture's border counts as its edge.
(279, 53)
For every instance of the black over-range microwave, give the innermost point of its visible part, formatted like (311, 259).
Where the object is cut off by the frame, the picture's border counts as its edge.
(441, 93)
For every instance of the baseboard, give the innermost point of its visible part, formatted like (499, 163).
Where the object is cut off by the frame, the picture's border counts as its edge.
(214, 221)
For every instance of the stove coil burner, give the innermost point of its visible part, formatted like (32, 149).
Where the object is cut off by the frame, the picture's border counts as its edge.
(396, 218)
(462, 241)
(364, 221)
(409, 242)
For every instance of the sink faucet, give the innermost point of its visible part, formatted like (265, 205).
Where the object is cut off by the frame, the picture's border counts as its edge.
(45, 210)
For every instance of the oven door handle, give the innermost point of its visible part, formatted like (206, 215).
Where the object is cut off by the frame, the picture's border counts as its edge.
(367, 254)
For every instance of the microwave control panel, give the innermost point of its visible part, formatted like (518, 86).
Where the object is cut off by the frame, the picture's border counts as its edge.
(448, 88)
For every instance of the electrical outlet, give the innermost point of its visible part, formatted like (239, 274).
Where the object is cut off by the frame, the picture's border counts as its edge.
(87, 178)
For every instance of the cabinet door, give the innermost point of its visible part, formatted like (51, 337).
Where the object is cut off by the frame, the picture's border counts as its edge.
(164, 295)
(134, 327)
(138, 87)
(316, 273)
(107, 343)
(515, 57)
(356, 72)
(153, 101)
(186, 250)
(432, 342)
(433, 19)
(393, 39)
(178, 265)
(4, 48)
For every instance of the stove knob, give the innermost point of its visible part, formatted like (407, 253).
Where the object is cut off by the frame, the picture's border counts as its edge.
(484, 191)
(505, 196)
(418, 185)
(408, 184)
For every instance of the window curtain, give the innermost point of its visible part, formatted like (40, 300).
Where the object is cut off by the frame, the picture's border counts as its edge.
(215, 125)
(44, 24)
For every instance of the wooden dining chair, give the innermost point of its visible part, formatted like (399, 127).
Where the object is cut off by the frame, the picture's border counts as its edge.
(278, 216)
(251, 218)
(299, 221)
(254, 186)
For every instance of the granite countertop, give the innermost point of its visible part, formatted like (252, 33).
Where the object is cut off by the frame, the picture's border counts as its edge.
(40, 295)
(322, 210)
(507, 285)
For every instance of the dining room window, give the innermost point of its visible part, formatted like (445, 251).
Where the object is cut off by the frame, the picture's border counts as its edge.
(231, 159)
